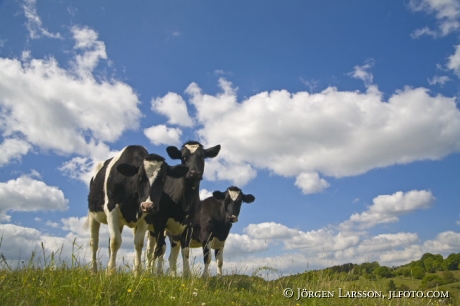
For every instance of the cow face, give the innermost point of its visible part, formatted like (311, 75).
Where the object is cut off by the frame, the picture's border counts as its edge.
(150, 175)
(193, 155)
(233, 197)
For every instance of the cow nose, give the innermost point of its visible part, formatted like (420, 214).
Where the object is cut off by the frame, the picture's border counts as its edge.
(232, 219)
(149, 207)
(195, 174)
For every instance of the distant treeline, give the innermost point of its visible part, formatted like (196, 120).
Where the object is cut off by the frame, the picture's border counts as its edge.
(423, 269)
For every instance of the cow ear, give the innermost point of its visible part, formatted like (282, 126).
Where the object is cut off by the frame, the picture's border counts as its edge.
(219, 195)
(127, 169)
(248, 198)
(177, 171)
(174, 152)
(212, 152)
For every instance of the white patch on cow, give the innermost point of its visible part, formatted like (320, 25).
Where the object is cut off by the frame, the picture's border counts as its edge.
(192, 148)
(174, 227)
(97, 168)
(195, 244)
(152, 167)
(217, 244)
(99, 216)
(233, 194)
(107, 172)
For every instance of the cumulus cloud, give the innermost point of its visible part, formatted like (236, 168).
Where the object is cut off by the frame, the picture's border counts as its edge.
(243, 244)
(311, 183)
(161, 134)
(12, 149)
(34, 24)
(28, 194)
(388, 208)
(331, 133)
(68, 111)
(174, 107)
(204, 194)
(447, 13)
(92, 49)
(270, 230)
(238, 173)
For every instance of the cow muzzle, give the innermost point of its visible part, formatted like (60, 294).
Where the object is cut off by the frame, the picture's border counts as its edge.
(195, 175)
(149, 207)
(232, 219)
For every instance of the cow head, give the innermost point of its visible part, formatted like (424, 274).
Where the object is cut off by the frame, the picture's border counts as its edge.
(150, 175)
(233, 197)
(192, 155)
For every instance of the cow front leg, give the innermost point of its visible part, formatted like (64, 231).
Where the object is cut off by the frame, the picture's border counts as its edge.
(175, 248)
(206, 259)
(160, 251)
(115, 240)
(139, 236)
(186, 264)
(219, 254)
(151, 245)
(94, 227)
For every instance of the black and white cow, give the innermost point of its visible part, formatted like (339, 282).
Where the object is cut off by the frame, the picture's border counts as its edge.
(123, 190)
(179, 197)
(210, 226)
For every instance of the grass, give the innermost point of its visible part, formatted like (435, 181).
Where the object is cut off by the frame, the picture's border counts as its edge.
(54, 282)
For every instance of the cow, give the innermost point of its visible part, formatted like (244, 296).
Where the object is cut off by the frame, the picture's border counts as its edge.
(123, 190)
(210, 226)
(179, 197)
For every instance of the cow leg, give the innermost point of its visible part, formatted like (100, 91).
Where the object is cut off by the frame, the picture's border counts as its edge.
(186, 264)
(115, 239)
(219, 254)
(139, 234)
(206, 258)
(94, 226)
(151, 244)
(160, 250)
(175, 248)
(185, 244)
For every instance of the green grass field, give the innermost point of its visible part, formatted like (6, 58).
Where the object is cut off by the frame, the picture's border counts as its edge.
(73, 284)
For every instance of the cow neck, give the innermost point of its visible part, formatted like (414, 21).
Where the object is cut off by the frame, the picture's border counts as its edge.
(222, 211)
(191, 190)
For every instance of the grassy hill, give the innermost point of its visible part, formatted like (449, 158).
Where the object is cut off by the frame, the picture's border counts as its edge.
(64, 284)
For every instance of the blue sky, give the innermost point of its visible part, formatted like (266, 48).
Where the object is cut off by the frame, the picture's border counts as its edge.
(340, 117)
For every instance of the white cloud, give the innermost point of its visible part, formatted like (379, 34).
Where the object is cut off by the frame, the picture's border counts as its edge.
(27, 194)
(384, 242)
(270, 230)
(52, 224)
(66, 111)
(447, 12)
(34, 23)
(93, 50)
(161, 134)
(441, 80)
(238, 173)
(243, 244)
(204, 194)
(332, 133)
(311, 183)
(360, 72)
(453, 62)
(388, 208)
(173, 106)
(12, 149)
(423, 31)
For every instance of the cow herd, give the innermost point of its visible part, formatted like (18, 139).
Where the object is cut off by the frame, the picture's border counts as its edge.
(140, 190)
